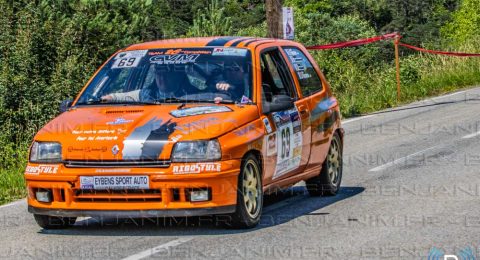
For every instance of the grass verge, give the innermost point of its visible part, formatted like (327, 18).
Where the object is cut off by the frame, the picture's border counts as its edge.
(12, 185)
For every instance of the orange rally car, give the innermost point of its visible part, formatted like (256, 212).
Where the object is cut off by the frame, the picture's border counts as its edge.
(188, 127)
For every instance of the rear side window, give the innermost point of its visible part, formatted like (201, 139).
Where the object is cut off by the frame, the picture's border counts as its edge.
(308, 78)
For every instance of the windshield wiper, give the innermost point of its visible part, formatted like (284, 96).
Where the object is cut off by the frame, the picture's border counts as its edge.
(109, 102)
(186, 100)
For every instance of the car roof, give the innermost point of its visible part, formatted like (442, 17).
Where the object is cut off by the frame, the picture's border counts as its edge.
(217, 41)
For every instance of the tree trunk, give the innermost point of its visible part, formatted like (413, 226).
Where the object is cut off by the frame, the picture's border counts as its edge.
(274, 18)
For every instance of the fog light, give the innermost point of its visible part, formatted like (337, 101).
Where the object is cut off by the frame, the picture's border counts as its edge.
(199, 195)
(44, 196)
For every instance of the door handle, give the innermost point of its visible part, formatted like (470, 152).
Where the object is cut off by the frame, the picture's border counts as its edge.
(302, 109)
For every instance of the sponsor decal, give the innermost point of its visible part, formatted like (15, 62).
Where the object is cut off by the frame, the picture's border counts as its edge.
(282, 118)
(171, 52)
(148, 140)
(179, 51)
(244, 130)
(128, 59)
(122, 131)
(40, 169)
(272, 144)
(96, 138)
(229, 52)
(86, 182)
(298, 63)
(176, 138)
(197, 168)
(114, 182)
(87, 149)
(94, 135)
(114, 170)
(115, 150)
(120, 121)
(193, 111)
(127, 54)
(289, 141)
(90, 132)
(268, 127)
(174, 59)
(218, 100)
(245, 100)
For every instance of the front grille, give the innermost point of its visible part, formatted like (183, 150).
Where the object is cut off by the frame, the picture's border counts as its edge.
(100, 164)
(150, 195)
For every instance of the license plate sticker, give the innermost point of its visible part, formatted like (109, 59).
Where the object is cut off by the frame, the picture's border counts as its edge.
(114, 182)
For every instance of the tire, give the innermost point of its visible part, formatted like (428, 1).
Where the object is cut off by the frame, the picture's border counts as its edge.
(330, 178)
(249, 195)
(51, 222)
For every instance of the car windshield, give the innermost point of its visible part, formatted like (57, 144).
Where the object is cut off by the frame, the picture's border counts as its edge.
(173, 75)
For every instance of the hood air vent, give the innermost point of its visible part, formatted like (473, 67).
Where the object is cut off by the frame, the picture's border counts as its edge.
(123, 111)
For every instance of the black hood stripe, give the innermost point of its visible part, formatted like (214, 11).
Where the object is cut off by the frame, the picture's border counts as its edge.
(235, 43)
(251, 41)
(221, 41)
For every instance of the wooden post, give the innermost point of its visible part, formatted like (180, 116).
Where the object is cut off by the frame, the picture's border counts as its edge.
(274, 18)
(397, 64)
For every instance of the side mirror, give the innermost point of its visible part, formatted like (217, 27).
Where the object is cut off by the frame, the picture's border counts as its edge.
(279, 103)
(65, 105)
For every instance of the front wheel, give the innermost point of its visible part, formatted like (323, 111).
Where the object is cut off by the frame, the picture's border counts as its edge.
(52, 222)
(249, 195)
(328, 182)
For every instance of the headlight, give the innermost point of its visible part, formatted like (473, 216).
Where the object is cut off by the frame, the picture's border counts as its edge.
(196, 151)
(46, 152)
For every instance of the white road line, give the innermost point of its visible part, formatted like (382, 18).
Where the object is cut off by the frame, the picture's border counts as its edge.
(390, 164)
(12, 204)
(448, 95)
(356, 119)
(471, 135)
(160, 248)
(434, 99)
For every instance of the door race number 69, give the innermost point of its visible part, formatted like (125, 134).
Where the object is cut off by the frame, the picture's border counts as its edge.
(289, 141)
(285, 142)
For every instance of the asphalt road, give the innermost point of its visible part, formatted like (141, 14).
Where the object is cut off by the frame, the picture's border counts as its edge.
(410, 188)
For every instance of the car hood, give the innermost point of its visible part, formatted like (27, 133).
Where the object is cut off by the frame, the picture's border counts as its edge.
(139, 132)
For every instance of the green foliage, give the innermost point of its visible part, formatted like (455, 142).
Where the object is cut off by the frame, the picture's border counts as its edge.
(465, 24)
(50, 48)
(212, 22)
(253, 31)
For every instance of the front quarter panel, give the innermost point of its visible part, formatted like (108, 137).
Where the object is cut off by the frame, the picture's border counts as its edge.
(238, 142)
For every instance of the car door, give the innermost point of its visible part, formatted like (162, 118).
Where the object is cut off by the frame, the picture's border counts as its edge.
(320, 102)
(288, 143)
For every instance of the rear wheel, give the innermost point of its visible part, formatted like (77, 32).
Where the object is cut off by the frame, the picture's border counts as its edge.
(328, 182)
(249, 195)
(52, 222)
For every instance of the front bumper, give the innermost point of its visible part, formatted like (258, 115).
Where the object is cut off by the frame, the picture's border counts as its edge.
(167, 195)
(133, 213)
